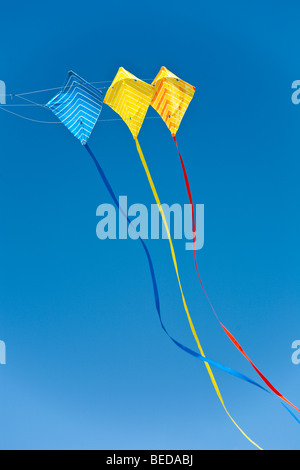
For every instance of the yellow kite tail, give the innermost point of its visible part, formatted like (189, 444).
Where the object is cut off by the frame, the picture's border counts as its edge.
(212, 378)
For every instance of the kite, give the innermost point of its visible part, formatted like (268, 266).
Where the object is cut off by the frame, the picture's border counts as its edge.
(171, 100)
(131, 97)
(78, 106)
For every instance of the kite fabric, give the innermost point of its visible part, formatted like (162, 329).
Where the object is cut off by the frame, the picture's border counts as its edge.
(171, 100)
(78, 106)
(130, 97)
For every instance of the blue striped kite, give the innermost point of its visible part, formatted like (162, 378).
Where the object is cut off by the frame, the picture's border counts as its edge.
(78, 106)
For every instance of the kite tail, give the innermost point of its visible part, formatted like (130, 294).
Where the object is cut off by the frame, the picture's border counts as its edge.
(212, 378)
(156, 294)
(230, 336)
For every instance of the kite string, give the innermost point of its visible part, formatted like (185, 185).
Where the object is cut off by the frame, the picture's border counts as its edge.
(230, 336)
(30, 101)
(33, 103)
(212, 378)
(59, 122)
(27, 118)
(59, 88)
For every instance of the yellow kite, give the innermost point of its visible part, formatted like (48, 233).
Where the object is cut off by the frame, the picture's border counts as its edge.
(172, 98)
(130, 98)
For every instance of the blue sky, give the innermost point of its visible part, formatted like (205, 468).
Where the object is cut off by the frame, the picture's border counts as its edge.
(88, 364)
